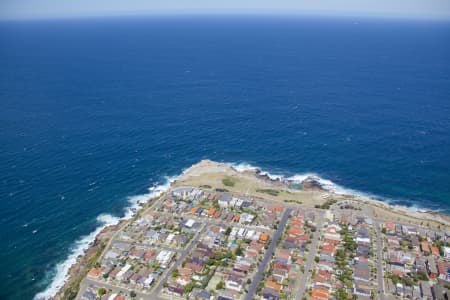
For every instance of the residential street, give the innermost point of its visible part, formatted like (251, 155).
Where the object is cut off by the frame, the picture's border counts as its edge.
(180, 259)
(87, 281)
(267, 256)
(380, 277)
(310, 259)
(155, 293)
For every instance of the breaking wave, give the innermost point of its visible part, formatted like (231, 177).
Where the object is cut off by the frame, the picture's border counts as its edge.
(61, 270)
(331, 186)
(60, 273)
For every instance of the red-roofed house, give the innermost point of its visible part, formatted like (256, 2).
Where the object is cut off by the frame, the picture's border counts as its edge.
(425, 247)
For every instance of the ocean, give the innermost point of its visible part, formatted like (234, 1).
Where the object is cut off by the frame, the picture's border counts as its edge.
(95, 111)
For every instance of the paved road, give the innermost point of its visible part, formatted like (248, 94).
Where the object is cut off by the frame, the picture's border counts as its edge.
(380, 278)
(267, 256)
(114, 236)
(160, 247)
(87, 282)
(311, 255)
(184, 253)
(155, 293)
(379, 240)
(220, 221)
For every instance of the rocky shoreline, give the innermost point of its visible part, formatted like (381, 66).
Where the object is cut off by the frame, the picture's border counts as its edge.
(310, 184)
(78, 270)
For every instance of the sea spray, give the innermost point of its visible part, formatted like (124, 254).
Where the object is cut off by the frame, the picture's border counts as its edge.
(61, 270)
(327, 185)
(135, 202)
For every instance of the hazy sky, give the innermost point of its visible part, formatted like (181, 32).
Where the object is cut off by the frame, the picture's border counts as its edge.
(19, 9)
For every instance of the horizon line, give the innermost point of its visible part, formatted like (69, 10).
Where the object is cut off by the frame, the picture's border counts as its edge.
(316, 13)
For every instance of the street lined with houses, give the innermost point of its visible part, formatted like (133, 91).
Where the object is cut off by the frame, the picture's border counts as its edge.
(201, 243)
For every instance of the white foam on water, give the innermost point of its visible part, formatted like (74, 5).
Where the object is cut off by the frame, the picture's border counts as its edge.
(416, 208)
(272, 176)
(300, 177)
(153, 192)
(242, 167)
(326, 184)
(61, 270)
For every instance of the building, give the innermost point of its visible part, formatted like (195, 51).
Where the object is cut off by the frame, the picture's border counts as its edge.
(224, 200)
(425, 290)
(447, 252)
(189, 223)
(164, 257)
(121, 275)
(431, 268)
(233, 283)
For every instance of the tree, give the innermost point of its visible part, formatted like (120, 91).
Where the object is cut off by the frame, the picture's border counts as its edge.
(220, 285)
(70, 294)
(189, 287)
(101, 291)
(395, 279)
(407, 281)
(422, 275)
(228, 231)
(342, 294)
(132, 294)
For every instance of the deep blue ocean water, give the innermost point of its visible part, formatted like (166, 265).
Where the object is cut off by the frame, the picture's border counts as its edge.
(93, 111)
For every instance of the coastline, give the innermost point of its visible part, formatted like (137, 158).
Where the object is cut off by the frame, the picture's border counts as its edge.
(77, 270)
(73, 267)
(315, 193)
